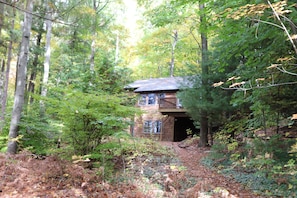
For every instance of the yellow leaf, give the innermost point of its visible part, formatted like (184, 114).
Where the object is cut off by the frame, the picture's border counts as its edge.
(294, 117)
(218, 84)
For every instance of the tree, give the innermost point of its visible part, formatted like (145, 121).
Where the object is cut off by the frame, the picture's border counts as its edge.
(36, 54)
(204, 75)
(168, 41)
(85, 126)
(21, 80)
(46, 64)
(263, 58)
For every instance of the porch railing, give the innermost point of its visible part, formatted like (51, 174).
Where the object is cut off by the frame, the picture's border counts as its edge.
(169, 103)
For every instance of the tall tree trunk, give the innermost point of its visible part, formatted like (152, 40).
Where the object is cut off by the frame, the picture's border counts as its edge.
(2, 62)
(33, 70)
(93, 43)
(1, 17)
(175, 39)
(47, 58)
(204, 62)
(21, 80)
(8, 62)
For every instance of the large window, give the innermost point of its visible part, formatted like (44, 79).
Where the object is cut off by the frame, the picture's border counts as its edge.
(152, 126)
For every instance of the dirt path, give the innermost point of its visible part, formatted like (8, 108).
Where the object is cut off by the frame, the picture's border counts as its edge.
(25, 176)
(210, 183)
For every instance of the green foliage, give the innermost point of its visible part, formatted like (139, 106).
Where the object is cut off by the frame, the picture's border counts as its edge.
(236, 125)
(38, 134)
(3, 143)
(275, 146)
(215, 103)
(265, 165)
(87, 118)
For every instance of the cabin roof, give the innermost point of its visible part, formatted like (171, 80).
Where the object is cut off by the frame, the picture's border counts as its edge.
(156, 84)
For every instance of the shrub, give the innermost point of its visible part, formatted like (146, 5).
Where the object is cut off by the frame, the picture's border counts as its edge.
(87, 118)
(37, 134)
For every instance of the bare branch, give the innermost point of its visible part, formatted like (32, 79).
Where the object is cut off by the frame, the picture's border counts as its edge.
(267, 22)
(258, 87)
(284, 27)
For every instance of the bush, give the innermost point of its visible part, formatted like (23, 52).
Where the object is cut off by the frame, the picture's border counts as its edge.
(88, 118)
(37, 134)
(276, 146)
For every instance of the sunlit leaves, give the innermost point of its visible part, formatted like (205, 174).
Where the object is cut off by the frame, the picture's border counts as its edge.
(254, 10)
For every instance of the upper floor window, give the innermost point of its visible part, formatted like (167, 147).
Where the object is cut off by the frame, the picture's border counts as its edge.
(161, 95)
(147, 99)
(142, 99)
(151, 99)
(161, 98)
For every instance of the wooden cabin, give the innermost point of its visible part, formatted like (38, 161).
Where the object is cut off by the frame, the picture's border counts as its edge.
(164, 117)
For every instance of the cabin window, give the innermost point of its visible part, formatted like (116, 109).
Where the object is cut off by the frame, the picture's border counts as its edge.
(152, 126)
(157, 126)
(142, 99)
(161, 98)
(151, 99)
(148, 126)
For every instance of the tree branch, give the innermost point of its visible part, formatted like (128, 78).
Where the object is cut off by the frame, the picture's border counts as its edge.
(284, 27)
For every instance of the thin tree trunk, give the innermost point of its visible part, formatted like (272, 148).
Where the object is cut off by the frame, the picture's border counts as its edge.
(34, 68)
(204, 117)
(2, 62)
(175, 39)
(93, 29)
(117, 51)
(2, 87)
(92, 56)
(1, 17)
(47, 58)
(264, 121)
(21, 80)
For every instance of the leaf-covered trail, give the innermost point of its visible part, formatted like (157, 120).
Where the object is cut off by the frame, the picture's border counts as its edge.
(209, 182)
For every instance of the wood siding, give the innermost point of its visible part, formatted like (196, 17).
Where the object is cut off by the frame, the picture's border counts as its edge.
(156, 112)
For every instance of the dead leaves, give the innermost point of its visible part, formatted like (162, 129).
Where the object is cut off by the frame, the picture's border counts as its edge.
(208, 181)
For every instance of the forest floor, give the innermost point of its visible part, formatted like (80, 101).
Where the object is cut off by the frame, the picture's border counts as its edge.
(181, 176)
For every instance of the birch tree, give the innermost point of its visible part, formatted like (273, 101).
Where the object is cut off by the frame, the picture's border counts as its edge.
(21, 79)
(47, 56)
(2, 62)
(173, 45)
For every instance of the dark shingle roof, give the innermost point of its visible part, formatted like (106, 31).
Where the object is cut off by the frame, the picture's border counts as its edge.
(156, 84)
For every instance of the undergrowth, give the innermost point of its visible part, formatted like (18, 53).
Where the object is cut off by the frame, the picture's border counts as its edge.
(265, 164)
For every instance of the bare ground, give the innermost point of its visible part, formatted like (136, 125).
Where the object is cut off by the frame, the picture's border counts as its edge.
(24, 175)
